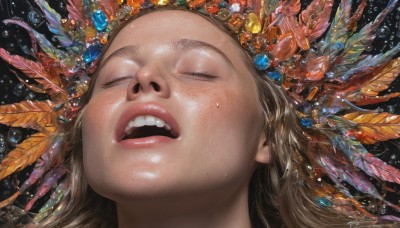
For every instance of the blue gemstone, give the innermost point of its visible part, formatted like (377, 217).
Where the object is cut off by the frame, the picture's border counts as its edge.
(99, 20)
(276, 76)
(323, 202)
(91, 53)
(306, 122)
(261, 61)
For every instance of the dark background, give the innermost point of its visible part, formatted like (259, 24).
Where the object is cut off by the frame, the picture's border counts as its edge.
(16, 41)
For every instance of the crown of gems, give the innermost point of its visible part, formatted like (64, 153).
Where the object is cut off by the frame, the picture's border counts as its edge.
(318, 62)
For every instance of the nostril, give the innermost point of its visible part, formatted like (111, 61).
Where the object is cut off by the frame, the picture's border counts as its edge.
(155, 86)
(136, 88)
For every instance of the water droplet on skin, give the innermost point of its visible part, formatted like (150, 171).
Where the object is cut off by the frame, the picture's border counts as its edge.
(382, 32)
(14, 136)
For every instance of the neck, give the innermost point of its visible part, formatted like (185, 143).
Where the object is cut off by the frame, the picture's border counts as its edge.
(213, 212)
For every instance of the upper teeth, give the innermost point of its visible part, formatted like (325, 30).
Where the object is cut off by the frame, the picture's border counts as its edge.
(147, 120)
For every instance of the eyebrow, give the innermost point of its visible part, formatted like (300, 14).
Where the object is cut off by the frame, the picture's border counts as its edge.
(182, 44)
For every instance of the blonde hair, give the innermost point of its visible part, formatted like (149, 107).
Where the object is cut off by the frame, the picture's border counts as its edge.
(278, 193)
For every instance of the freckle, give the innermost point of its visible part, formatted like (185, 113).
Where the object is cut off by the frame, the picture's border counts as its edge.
(217, 105)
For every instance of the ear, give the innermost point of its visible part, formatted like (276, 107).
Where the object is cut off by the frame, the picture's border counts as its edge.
(263, 154)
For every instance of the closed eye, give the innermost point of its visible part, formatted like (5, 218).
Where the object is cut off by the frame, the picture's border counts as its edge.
(115, 81)
(203, 75)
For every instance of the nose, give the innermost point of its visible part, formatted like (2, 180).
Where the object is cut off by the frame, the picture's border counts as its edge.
(148, 80)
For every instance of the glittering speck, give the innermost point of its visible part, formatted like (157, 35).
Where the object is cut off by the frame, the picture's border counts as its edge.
(100, 20)
(34, 17)
(3, 143)
(261, 61)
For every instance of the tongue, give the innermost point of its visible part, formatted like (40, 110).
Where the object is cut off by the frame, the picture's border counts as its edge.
(148, 131)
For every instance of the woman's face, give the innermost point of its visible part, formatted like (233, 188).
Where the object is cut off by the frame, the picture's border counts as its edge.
(178, 73)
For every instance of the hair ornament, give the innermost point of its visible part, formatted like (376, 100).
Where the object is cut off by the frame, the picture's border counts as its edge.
(320, 63)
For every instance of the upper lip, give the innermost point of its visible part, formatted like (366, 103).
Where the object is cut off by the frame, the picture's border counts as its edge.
(145, 109)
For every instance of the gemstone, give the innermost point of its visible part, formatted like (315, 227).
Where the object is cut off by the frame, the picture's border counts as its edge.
(306, 122)
(261, 61)
(100, 21)
(276, 76)
(160, 2)
(236, 22)
(242, 3)
(212, 7)
(324, 202)
(91, 53)
(180, 2)
(195, 3)
(235, 8)
(253, 23)
(224, 14)
(245, 37)
(14, 136)
(90, 33)
(134, 3)
(120, 2)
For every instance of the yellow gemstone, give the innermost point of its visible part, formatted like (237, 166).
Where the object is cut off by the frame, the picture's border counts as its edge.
(253, 23)
(90, 33)
(160, 2)
(120, 2)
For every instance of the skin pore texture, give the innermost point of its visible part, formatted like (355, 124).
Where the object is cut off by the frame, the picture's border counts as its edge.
(181, 68)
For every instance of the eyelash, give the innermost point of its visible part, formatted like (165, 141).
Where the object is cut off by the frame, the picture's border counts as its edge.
(201, 75)
(113, 82)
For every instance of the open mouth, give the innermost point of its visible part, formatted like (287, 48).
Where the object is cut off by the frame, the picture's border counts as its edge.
(148, 126)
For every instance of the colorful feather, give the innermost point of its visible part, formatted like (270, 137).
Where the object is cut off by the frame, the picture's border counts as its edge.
(55, 197)
(44, 44)
(33, 70)
(270, 6)
(315, 18)
(360, 157)
(49, 182)
(337, 32)
(357, 43)
(54, 23)
(24, 154)
(375, 127)
(38, 115)
(75, 11)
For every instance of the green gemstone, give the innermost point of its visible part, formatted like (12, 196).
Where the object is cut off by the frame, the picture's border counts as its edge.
(180, 2)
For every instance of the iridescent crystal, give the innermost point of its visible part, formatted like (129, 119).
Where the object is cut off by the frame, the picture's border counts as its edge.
(306, 122)
(91, 53)
(224, 14)
(253, 23)
(324, 202)
(236, 22)
(276, 76)
(212, 7)
(261, 61)
(160, 2)
(195, 3)
(100, 20)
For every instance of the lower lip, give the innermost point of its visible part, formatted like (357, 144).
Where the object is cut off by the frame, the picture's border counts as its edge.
(145, 141)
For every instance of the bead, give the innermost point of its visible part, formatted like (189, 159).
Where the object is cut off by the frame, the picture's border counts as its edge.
(120, 2)
(276, 76)
(134, 3)
(235, 8)
(212, 7)
(306, 122)
(103, 37)
(261, 61)
(236, 22)
(91, 53)
(195, 3)
(253, 23)
(100, 20)
(134, 8)
(34, 17)
(224, 14)
(324, 202)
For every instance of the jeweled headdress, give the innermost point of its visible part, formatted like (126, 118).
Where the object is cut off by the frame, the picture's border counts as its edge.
(320, 62)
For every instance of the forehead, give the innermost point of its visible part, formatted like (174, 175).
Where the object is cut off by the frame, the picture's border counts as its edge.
(168, 26)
